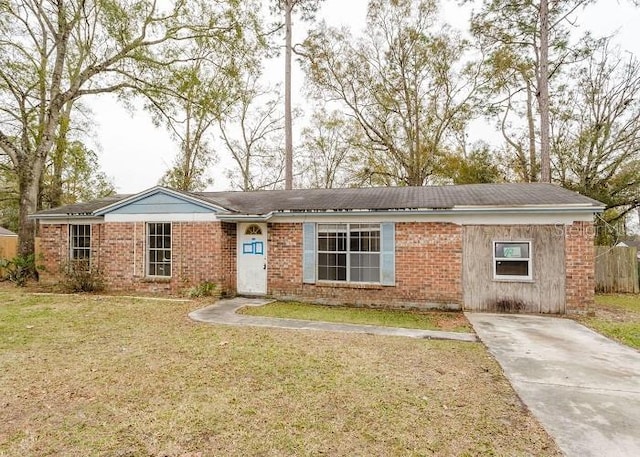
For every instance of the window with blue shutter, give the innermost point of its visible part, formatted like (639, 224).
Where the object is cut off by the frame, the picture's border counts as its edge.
(388, 254)
(359, 253)
(309, 253)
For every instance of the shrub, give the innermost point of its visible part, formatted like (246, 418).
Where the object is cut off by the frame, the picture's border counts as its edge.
(81, 276)
(19, 269)
(204, 289)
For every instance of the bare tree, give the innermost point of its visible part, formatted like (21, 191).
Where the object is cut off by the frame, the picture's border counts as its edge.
(56, 52)
(530, 46)
(307, 9)
(249, 132)
(329, 148)
(404, 85)
(596, 132)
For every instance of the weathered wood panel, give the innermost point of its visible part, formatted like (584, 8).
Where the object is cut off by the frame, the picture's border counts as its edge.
(545, 293)
(617, 270)
(8, 247)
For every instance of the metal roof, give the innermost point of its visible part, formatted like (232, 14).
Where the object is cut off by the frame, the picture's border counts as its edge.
(508, 195)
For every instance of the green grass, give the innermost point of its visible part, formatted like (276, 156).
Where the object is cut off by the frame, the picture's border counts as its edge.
(617, 317)
(82, 375)
(628, 303)
(427, 320)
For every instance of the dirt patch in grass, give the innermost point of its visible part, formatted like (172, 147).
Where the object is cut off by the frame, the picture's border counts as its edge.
(615, 316)
(96, 376)
(427, 320)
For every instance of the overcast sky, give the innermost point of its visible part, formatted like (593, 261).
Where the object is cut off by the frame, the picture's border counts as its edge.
(135, 154)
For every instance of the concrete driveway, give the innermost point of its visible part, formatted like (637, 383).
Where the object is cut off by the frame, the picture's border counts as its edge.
(582, 387)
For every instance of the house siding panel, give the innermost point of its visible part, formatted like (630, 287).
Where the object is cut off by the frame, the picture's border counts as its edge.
(544, 293)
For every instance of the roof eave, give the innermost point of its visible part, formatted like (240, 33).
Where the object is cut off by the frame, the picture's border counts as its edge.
(245, 217)
(448, 211)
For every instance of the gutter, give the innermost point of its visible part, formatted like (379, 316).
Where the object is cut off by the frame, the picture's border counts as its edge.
(491, 210)
(417, 212)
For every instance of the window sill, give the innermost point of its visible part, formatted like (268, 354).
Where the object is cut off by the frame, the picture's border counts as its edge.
(349, 285)
(523, 280)
(157, 279)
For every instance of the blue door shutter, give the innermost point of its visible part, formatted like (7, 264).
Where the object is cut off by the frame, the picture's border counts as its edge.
(309, 253)
(388, 254)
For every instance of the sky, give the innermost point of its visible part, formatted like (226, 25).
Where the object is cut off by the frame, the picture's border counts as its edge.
(135, 153)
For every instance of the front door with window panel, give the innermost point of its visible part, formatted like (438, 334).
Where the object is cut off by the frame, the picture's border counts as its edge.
(252, 258)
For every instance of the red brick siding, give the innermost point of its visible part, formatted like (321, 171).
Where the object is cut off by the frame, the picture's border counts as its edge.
(201, 251)
(428, 269)
(579, 266)
(428, 262)
(54, 250)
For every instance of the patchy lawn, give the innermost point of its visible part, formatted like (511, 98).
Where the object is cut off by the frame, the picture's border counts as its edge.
(82, 375)
(426, 320)
(616, 316)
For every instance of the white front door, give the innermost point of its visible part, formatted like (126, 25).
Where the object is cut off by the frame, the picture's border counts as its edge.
(252, 258)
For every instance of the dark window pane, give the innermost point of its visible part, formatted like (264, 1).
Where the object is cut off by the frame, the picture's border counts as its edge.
(512, 268)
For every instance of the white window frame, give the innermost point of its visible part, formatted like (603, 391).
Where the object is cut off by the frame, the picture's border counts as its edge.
(73, 237)
(148, 250)
(529, 260)
(348, 252)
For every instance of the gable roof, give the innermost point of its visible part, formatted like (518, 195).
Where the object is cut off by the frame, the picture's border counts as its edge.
(508, 195)
(7, 232)
(186, 197)
(398, 198)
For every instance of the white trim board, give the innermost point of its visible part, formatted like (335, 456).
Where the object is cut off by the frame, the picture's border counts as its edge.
(564, 218)
(168, 217)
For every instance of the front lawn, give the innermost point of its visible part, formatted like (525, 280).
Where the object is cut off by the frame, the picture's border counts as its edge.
(616, 316)
(90, 376)
(426, 320)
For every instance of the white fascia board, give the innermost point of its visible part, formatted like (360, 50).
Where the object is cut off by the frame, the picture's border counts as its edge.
(164, 217)
(72, 219)
(245, 217)
(563, 218)
(532, 208)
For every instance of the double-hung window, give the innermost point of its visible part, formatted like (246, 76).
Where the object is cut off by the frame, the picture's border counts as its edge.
(512, 260)
(80, 242)
(349, 252)
(159, 249)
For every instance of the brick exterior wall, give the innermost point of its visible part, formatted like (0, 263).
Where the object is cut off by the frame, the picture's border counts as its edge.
(579, 266)
(201, 251)
(54, 250)
(428, 263)
(428, 269)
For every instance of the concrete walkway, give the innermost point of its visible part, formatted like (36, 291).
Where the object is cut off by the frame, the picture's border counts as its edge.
(224, 312)
(583, 387)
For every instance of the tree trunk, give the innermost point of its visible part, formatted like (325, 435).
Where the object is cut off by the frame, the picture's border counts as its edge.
(288, 127)
(543, 93)
(532, 171)
(57, 158)
(28, 187)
